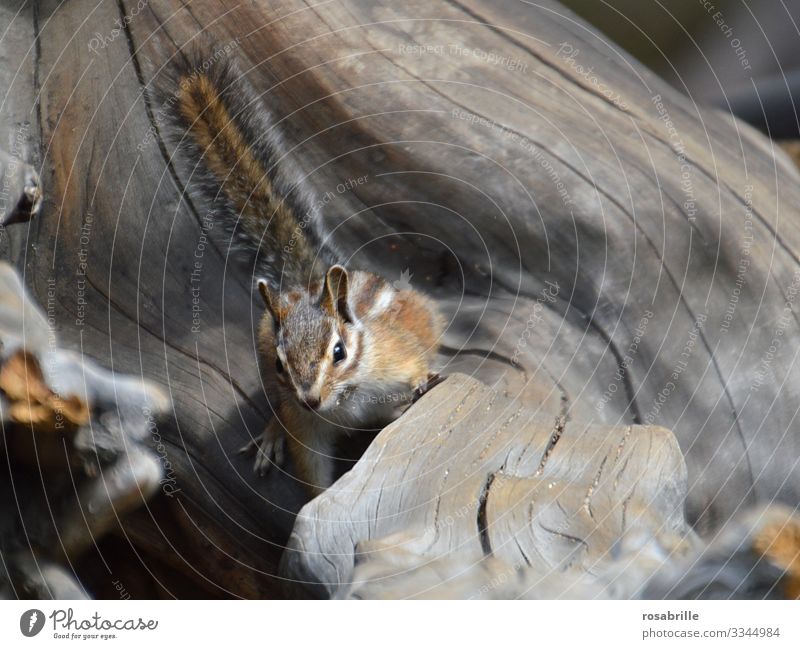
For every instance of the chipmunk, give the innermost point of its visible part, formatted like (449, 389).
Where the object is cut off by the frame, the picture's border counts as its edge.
(341, 350)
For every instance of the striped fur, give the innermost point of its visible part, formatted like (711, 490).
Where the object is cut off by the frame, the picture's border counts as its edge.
(390, 346)
(226, 140)
(234, 157)
(391, 339)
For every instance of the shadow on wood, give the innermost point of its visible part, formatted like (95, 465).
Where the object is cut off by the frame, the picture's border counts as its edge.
(606, 251)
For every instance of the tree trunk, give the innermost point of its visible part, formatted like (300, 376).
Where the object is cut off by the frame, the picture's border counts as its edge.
(607, 253)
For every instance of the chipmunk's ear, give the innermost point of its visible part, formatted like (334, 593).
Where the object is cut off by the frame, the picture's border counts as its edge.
(334, 294)
(271, 300)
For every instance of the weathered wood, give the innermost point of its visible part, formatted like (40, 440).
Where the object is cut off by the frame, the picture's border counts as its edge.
(19, 132)
(72, 443)
(756, 555)
(470, 474)
(605, 250)
(21, 196)
(507, 504)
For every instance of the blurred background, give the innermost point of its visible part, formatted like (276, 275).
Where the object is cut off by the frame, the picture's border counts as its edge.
(741, 55)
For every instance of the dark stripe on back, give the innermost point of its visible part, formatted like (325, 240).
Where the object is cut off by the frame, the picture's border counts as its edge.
(365, 299)
(353, 367)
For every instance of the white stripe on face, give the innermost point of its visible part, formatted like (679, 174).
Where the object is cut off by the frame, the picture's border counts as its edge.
(322, 372)
(382, 301)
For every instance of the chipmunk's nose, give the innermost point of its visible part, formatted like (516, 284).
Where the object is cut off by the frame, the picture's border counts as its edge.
(310, 401)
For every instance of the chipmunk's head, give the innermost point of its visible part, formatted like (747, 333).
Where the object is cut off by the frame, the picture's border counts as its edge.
(317, 344)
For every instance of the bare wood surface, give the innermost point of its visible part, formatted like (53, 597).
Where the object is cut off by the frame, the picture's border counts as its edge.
(470, 474)
(73, 446)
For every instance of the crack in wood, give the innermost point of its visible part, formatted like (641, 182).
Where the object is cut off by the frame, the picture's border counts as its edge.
(500, 431)
(625, 504)
(184, 195)
(587, 501)
(37, 87)
(230, 380)
(447, 425)
(504, 34)
(522, 551)
(564, 535)
(483, 353)
(558, 431)
(482, 521)
(623, 441)
(631, 406)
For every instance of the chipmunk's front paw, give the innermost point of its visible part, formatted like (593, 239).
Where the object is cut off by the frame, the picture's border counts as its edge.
(270, 449)
(431, 381)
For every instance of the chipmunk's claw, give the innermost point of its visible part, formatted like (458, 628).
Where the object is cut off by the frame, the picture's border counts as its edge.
(249, 448)
(271, 452)
(269, 449)
(432, 381)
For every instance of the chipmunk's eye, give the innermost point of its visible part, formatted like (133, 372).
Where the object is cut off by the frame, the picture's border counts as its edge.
(278, 365)
(339, 353)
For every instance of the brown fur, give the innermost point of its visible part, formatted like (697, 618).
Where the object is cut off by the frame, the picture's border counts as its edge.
(230, 159)
(780, 543)
(312, 303)
(390, 349)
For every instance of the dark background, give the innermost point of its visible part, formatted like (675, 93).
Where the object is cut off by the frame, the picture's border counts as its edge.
(681, 41)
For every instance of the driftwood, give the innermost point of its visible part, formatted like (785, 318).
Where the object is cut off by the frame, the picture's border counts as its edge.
(469, 473)
(21, 198)
(608, 254)
(72, 434)
(471, 494)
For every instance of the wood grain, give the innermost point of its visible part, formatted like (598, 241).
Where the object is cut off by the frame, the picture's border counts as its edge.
(469, 475)
(498, 170)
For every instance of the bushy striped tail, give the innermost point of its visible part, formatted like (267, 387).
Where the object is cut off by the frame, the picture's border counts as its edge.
(226, 136)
